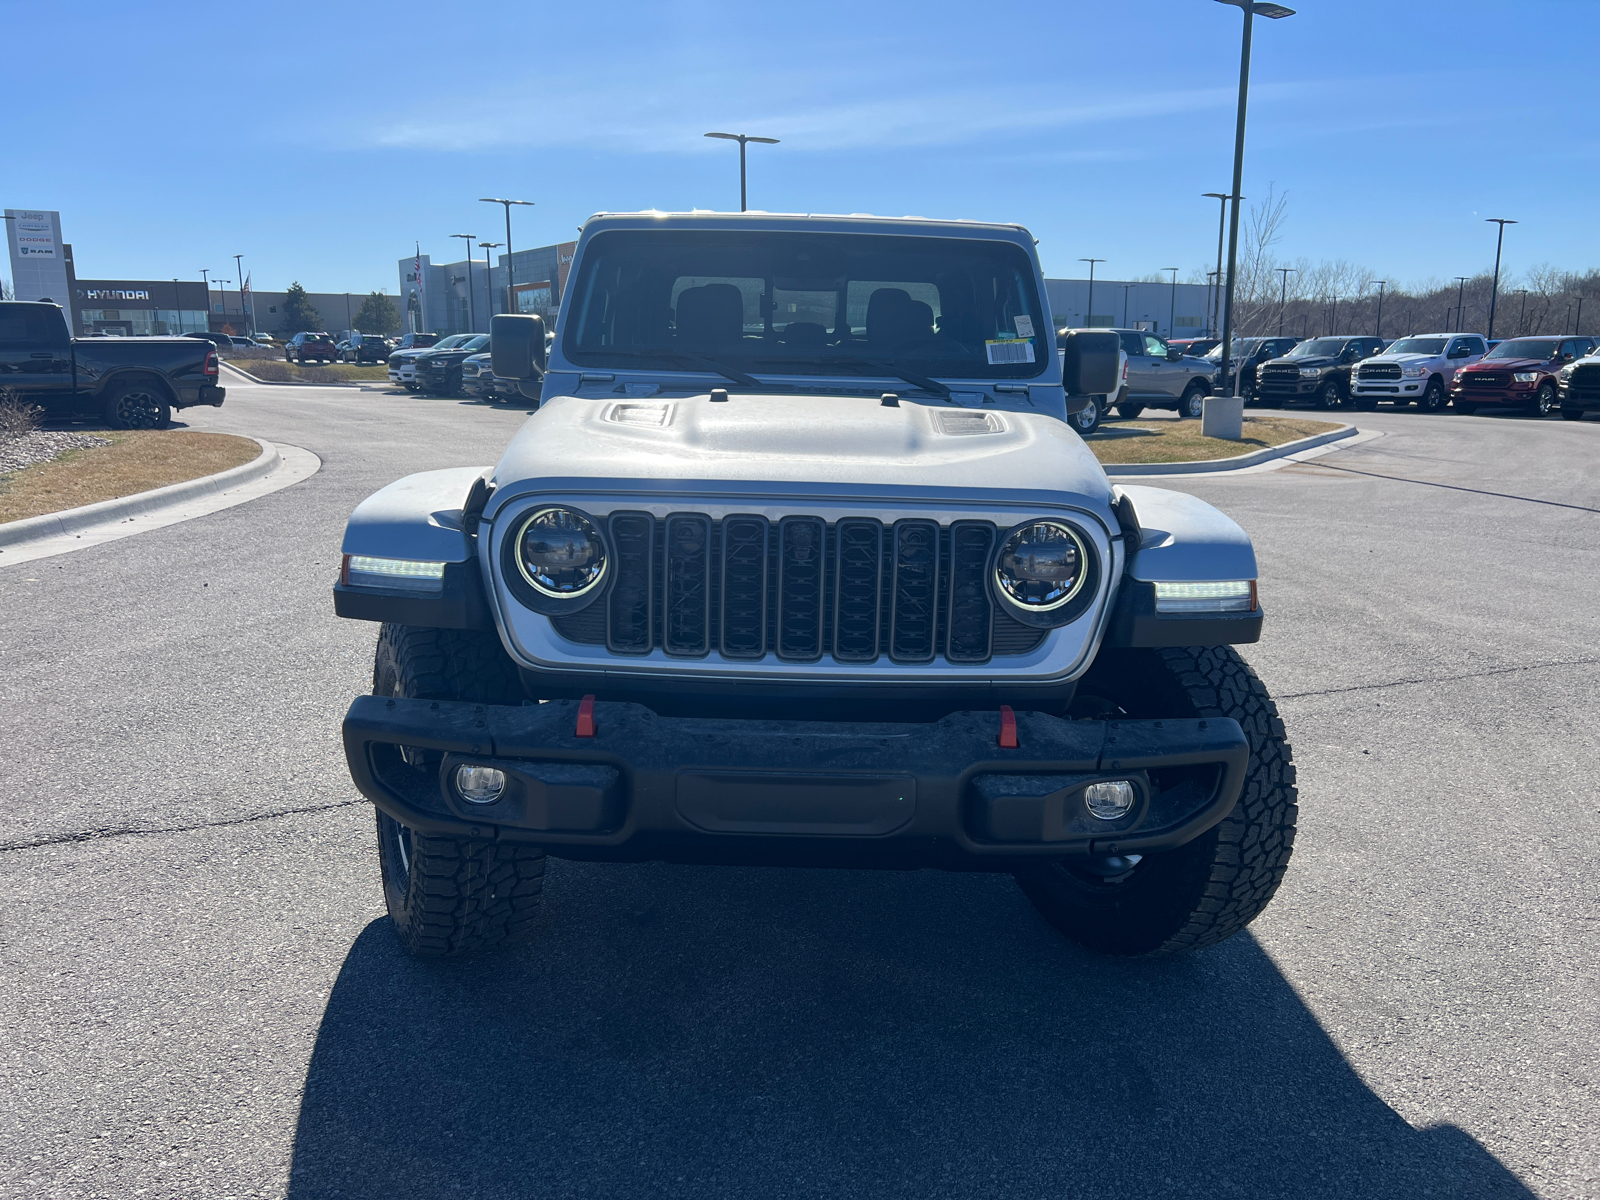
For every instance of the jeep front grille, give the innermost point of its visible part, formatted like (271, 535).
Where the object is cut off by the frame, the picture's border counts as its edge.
(802, 589)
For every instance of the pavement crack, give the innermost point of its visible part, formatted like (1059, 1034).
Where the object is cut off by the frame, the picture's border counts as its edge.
(1319, 465)
(95, 835)
(1394, 683)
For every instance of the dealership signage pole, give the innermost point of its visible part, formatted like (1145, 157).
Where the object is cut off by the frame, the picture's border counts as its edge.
(1251, 11)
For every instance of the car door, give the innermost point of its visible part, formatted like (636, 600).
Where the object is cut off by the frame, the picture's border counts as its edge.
(1169, 376)
(1144, 381)
(36, 356)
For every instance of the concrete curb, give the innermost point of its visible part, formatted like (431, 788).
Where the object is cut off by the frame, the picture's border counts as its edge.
(1233, 464)
(286, 382)
(72, 519)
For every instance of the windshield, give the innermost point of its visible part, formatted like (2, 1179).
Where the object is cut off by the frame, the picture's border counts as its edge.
(807, 304)
(1539, 348)
(1318, 348)
(1417, 346)
(449, 343)
(1241, 348)
(477, 343)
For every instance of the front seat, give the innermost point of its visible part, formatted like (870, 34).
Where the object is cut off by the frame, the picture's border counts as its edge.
(710, 317)
(892, 320)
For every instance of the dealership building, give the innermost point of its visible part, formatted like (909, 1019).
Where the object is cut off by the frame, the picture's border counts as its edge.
(460, 297)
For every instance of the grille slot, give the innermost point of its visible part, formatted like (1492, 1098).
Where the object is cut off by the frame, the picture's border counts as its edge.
(801, 576)
(1485, 379)
(971, 617)
(914, 617)
(802, 589)
(1379, 371)
(631, 606)
(686, 611)
(744, 587)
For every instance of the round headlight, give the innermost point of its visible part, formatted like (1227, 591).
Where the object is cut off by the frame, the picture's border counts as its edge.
(560, 553)
(1042, 565)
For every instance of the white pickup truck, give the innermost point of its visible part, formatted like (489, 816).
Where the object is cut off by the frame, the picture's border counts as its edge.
(1421, 368)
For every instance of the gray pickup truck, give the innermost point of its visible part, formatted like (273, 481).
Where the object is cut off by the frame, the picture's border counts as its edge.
(801, 562)
(131, 383)
(1162, 376)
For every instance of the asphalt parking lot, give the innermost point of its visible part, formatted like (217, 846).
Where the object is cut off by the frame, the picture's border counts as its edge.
(203, 998)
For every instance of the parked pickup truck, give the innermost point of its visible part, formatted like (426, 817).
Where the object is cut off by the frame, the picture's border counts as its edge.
(132, 383)
(1522, 372)
(1421, 368)
(1161, 376)
(1317, 370)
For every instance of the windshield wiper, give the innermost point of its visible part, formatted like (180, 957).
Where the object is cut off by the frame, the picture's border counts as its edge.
(711, 364)
(911, 377)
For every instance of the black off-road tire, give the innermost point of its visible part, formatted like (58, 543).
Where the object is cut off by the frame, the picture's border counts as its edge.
(449, 895)
(137, 404)
(1572, 414)
(1208, 890)
(1129, 412)
(1330, 395)
(1433, 398)
(1465, 407)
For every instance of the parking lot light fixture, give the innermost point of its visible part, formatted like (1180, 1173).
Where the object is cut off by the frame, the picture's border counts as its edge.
(1172, 310)
(1381, 284)
(488, 271)
(1283, 299)
(472, 304)
(1222, 229)
(742, 138)
(1494, 288)
(1251, 10)
(511, 274)
(1577, 325)
(1125, 289)
(1088, 316)
(1461, 292)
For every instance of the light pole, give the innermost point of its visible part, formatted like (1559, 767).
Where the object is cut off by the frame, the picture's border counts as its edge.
(511, 274)
(1333, 319)
(177, 306)
(1251, 10)
(1494, 288)
(1381, 283)
(249, 316)
(1283, 298)
(1088, 317)
(1522, 318)
(488, 272)
(1172, 309)
(1578, 324)
(742, 138)
(222, 288)
(1125, 288)
(472, 305)
(349, 323)
(1222, 226)
(205, 278)
(1461, 291)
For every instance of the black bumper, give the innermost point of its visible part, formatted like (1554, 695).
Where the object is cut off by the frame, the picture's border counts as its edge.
(648, 787)
(1586, 398)
(190, 397)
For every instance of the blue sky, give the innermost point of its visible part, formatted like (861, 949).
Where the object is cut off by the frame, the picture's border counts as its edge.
(172, 136)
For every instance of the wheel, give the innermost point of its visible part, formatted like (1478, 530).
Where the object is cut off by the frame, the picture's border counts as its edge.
(1212, 887)
(1544, 401)
(1363, 404)
(1129, 412)
(1330, 395)
(138, 405)
(1572, 414)
(1088, 420)
(1433, 399)
(450, 895)
(411, 387)
(1193, 406)
(1465, 407)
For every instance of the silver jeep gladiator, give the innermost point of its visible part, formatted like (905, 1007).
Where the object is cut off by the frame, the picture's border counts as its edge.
(800, 562)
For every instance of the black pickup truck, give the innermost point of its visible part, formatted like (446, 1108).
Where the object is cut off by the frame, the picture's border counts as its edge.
(132, 383)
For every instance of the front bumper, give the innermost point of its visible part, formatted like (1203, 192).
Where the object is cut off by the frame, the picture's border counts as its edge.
(646, 787)
(1389, 389)
(1523, 394)
(1586, 397)
(1284, 390)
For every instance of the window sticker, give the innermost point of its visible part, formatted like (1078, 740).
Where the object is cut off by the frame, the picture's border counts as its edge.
(1006, 351)
(1024, 326)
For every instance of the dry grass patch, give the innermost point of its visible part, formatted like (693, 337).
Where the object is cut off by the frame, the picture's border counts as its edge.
(288, 372)
(136, 461)
(1180, 441)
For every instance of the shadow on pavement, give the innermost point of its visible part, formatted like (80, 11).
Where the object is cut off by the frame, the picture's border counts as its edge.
(770, 1033)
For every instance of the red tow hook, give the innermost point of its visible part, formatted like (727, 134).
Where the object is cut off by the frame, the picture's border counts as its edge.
(1008, 728)
(585, 717)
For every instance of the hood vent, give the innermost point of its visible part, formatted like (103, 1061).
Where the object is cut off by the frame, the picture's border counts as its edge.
(654, 415)
(965, 424)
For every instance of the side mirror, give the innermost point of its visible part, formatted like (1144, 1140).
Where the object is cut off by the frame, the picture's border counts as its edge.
(1089, 363)
(1174, 354)
(516, 346)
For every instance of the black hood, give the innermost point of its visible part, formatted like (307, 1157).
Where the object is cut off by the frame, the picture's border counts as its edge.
(1323, 360)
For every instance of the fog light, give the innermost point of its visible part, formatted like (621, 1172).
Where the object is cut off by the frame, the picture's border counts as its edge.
(1109, 801)
(481, 785)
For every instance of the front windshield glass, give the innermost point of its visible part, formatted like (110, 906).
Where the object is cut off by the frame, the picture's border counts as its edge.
(807, 304)
(1318, 348)
(1242, 348)
(477, 343)
(1539, 348)
(1417, 346)
(451, 342)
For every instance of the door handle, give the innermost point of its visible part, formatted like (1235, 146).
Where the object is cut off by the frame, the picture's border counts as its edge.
(41, 354)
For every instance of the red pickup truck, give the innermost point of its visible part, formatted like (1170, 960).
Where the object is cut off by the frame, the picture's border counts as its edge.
(1520, 372)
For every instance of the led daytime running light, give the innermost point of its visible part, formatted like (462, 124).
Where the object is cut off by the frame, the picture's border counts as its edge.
(1233, 595)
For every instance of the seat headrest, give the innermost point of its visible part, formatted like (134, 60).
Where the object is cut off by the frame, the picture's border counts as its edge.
(710, 316)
